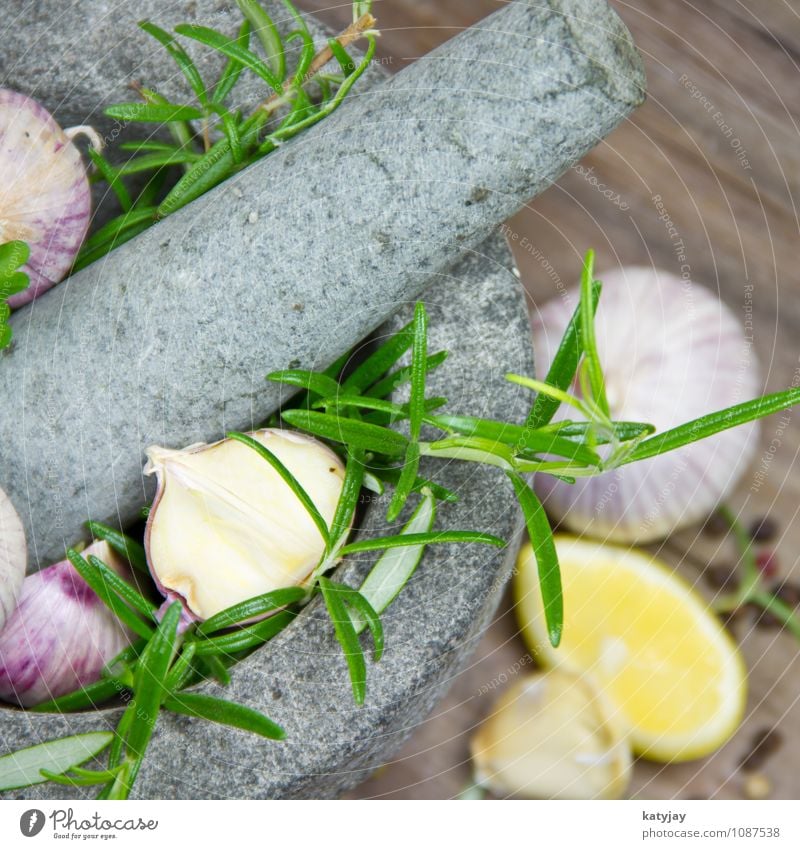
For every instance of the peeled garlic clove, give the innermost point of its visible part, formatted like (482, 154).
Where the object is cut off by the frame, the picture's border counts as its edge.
(60, 634)
(44, 192)
(552, 736)
(225, 527)
(13, 557)
(671, 352)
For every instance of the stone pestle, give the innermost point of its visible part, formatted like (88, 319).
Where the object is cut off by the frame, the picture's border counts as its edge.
(290, 263)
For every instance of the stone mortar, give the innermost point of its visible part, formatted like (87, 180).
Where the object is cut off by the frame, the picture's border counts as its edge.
(167, 339)
(300, 678)
(420, 191)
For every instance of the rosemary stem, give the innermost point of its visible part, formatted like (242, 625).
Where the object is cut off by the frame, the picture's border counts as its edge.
(779, 609)
(430, 449)
(751, 589)
(750, 583)
(353, 32)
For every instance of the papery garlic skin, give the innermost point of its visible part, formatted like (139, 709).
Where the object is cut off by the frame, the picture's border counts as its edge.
(45, 198)
(13, 557)
(60, 634)
(671, 352)
(552, 736)
(225, 527)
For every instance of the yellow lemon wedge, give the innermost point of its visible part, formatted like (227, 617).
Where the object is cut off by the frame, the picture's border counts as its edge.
(647, 638)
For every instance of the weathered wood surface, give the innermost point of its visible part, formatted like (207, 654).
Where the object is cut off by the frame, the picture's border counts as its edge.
(718, 143)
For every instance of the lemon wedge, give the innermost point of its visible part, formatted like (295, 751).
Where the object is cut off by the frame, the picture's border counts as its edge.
(647, 638)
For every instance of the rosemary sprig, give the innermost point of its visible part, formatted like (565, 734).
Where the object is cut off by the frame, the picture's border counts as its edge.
(546, 558)
(131, 550)
(348, 500)
(297, 488)
(225, 713)
(713, 423)
(244, 639)
(752, 589)
(396, 565)
(515, 449)
(347, 637)
(25, 766)
(406, 539)
(369, 437)
(339, 599)
(353, 412)
(591, 371)
(211, 139)
(92, 695)
(13, 255)
(416, 414)
(109, 594)
(565, 363)
(258, 606)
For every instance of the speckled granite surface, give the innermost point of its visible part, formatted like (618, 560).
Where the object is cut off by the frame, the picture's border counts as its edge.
(300, 679)
(168, 340)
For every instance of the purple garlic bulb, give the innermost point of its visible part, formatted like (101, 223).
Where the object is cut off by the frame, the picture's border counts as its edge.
(60, 634)
(44, 191)
(13, 557)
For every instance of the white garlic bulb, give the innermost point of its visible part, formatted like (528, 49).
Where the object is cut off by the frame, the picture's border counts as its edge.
(13, 557)
(224, 525)
(671, 352)
(552, 735)
(60, 634)
(44, 192)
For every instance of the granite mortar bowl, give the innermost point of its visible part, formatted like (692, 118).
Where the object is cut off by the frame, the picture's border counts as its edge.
(300, 679)
(477, 311)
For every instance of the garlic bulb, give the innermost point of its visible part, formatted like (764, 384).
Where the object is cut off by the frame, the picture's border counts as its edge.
(44, 192)
(225, 527)
(13, 557)
(60, 634)
(671, 352)
(552, 736)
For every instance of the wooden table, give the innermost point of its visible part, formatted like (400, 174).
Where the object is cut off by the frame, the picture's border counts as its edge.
(718, 141)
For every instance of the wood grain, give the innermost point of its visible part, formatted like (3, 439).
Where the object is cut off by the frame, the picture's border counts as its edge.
(718, 143)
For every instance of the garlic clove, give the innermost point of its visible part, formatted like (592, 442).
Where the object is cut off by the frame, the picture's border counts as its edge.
(44, 192)
(60, 634)
(13, 557)
(225, 527)
(671, 352)
(552, 735)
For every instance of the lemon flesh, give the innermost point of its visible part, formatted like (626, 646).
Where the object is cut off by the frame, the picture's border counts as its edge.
(647, 638)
